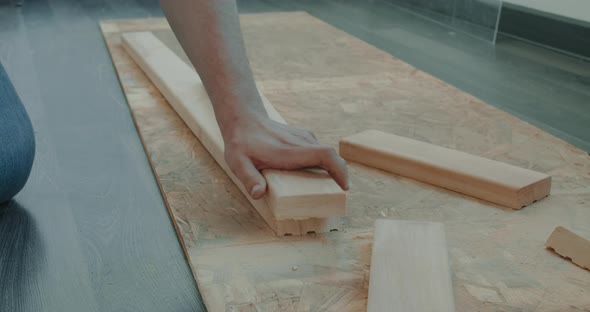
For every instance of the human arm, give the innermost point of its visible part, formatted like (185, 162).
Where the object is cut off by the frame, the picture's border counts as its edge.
(209, 32)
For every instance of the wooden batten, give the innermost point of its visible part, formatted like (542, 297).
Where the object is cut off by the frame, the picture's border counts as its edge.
(468, 174)
(297, 202)
(410, 268)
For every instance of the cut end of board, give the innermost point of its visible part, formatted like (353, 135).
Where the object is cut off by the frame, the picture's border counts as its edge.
(532, 193)
(317, 194)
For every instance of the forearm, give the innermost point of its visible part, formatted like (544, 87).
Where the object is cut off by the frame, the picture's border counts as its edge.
(209, 32)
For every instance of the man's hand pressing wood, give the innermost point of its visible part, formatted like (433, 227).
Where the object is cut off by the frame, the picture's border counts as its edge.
(255, 142)
(209, 32)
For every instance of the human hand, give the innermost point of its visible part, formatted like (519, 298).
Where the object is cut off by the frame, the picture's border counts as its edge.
(256, 142)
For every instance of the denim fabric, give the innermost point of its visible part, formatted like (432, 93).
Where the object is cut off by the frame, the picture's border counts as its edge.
(17, 141)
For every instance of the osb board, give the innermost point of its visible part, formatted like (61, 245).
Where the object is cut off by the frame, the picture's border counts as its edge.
(335, 85)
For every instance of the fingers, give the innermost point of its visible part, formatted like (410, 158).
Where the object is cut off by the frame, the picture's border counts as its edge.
(336, 167)
(317, 156)
(250, 177)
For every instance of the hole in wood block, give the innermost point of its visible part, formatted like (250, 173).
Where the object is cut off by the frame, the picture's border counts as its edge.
(334, 230)
(288, 234)
(310, 232)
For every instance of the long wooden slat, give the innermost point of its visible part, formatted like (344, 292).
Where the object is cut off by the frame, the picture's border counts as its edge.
(570, 245)
(472, 175)
(410, 268)
(183, 89)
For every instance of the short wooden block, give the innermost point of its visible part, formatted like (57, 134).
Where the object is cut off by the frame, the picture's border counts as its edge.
(410, 268)
(314, 195)
(569, 245)
(472, 175)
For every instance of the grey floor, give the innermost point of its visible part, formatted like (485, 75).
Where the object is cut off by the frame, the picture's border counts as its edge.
(90, 231)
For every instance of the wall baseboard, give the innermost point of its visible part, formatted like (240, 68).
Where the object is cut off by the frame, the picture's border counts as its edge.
(546, 29)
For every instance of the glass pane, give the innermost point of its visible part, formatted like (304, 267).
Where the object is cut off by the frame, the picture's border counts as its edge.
(478, 18)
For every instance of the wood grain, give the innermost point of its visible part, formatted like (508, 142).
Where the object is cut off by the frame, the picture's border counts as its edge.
(570, 245)
(468, 174)
(304, 65)
(292, 195)
(410, 268)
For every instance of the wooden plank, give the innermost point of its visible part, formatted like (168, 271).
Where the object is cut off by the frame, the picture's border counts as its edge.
(472, 175)
(288, 190)
(570, 245)
(410, 268)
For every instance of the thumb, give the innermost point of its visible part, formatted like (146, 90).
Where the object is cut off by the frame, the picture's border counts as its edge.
(250, 177)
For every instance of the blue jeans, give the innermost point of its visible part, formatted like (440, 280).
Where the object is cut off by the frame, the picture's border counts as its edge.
(17, 141)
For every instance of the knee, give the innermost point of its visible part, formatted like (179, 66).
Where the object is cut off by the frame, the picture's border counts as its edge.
(17, 151)
(17, 141)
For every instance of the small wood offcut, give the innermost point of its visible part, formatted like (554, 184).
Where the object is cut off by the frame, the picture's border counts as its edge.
(571, 246)
(472, 175)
